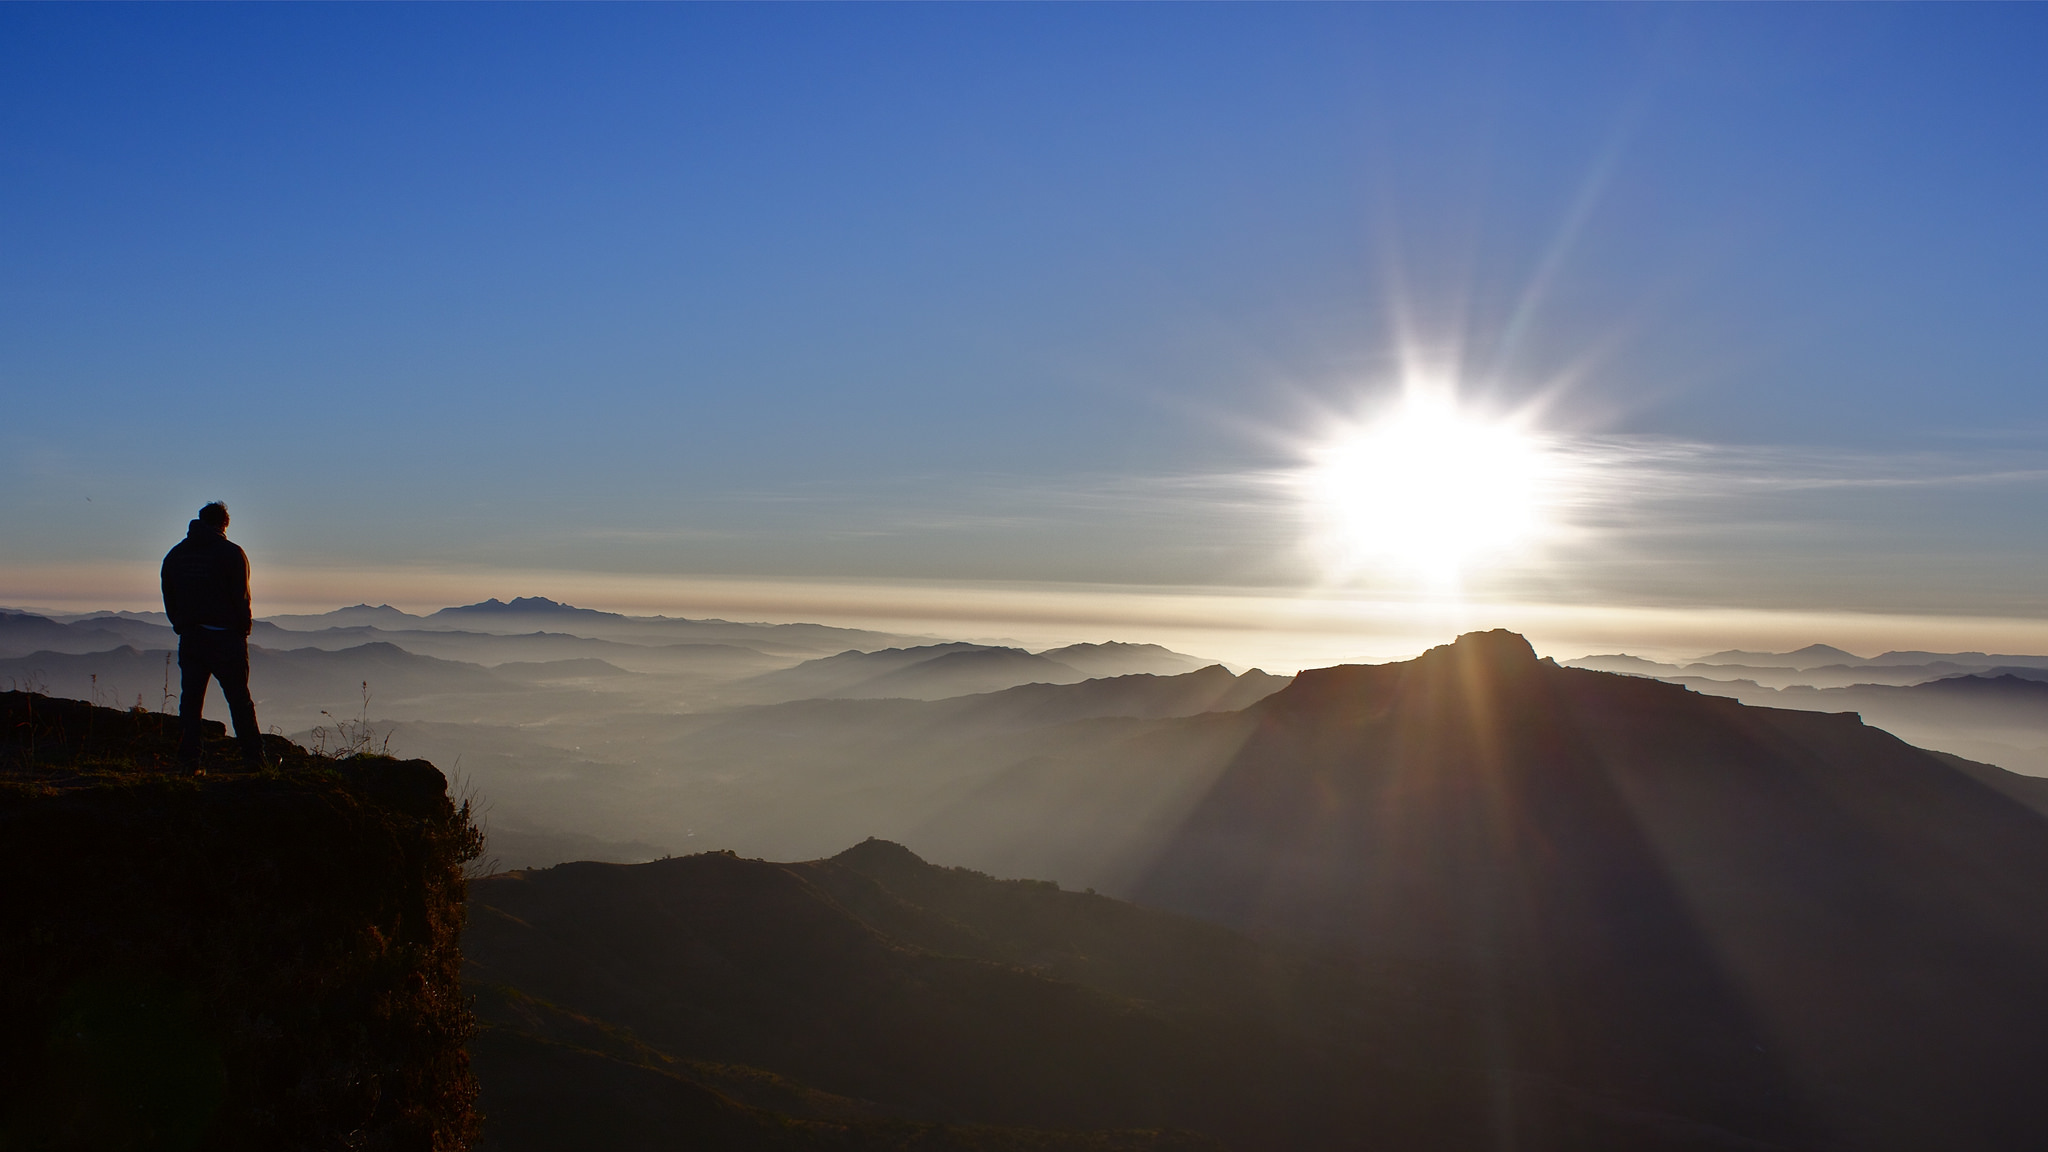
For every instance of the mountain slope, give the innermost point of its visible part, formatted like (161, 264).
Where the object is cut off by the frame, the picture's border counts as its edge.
(2000, 718)
(886, 986)
(1076, 781)
(875, 984)
(291, 688)
(492, 648)
(1785, 924)
(828, 675)
(743, 962)
(22, 633)
(1211, 689)
(940, 671)
(538, 613)
(353, 616)
(555, 1079)
(963, 673)
(1116, 658)
(1816, 676)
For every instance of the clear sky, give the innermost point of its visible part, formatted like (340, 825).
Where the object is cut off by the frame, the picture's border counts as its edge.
(1029, 319)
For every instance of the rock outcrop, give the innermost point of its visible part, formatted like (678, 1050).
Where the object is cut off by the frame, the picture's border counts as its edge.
(234, 961)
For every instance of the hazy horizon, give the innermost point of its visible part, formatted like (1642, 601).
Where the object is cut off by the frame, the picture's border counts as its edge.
(1282, 635)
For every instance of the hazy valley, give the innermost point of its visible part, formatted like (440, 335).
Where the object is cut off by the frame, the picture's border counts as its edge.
(592, 735)
(1470, 897)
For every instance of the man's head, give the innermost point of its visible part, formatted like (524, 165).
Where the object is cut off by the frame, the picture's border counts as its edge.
(215, 516)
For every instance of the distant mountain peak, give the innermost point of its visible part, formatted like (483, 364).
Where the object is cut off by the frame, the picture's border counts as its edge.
(1121, 658)
(1109, 646)
(521, 606)
(1496, 646)
(518, 604)
(875, 854)
(1811, 656)
(1827, 650)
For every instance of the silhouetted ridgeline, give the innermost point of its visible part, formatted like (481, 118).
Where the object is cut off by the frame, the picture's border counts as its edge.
(1787, 925)
(251, 962)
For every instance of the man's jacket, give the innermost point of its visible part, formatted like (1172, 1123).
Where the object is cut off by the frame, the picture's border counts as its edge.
(206, 583)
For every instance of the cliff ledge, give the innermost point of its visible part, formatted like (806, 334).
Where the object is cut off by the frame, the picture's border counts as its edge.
(235, 961)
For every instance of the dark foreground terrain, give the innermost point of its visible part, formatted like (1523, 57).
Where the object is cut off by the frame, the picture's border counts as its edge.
(259, 962)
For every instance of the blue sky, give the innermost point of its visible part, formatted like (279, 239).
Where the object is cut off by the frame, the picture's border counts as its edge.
(450, 298)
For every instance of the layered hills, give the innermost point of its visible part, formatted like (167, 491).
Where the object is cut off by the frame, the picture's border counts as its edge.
(1469, 901)
(615, 737)
(939, 671)
(1962, 702)
(2000, 715)
(599, 735)
(1072, 781)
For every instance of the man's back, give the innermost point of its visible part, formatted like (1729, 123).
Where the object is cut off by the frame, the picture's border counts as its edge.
(206, 583)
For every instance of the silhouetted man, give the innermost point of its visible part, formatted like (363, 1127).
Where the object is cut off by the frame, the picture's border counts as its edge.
(206, 595)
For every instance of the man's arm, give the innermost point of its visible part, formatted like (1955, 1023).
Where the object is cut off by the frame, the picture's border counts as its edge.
(248, 610)
(174, 596)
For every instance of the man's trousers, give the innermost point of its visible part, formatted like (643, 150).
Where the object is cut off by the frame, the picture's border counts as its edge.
(205, 655)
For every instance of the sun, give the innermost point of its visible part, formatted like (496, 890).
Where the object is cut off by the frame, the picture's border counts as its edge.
(1427, 489)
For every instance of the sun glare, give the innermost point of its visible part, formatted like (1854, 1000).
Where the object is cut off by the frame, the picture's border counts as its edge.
(1428, 490)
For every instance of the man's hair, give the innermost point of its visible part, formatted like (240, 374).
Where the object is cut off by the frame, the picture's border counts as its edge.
(214, 515)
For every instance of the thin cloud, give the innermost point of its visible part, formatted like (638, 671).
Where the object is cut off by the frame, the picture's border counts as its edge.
(1650, 463)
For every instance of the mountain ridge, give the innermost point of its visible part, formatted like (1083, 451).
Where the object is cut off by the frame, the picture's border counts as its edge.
(1725, 895)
